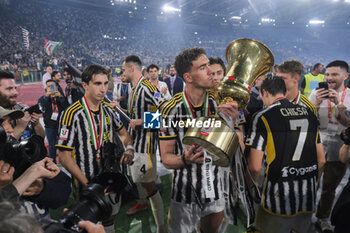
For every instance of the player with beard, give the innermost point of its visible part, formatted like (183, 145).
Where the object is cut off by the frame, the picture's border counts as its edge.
(144, 97)
(192, 200)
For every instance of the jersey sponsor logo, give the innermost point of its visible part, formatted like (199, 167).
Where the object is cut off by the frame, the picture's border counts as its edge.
(63, 134)
(151, 120)
(294, 171)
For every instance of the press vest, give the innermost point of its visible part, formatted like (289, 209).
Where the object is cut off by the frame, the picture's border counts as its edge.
(311, 82)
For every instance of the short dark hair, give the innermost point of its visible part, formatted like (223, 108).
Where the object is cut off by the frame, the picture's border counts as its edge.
(219, 61)
(292, 67)
(53, 74)
(66, 69)
(152, 66)
(274, 85)
(133, 59)
(316, 65)
(6, 75)
(338, 63)
(183, 61)
(50, 80)
(92, 70)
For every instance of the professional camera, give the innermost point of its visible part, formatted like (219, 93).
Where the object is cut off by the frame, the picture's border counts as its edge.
(92, 206)
(35, 109)
(21, 155)
(76, 78)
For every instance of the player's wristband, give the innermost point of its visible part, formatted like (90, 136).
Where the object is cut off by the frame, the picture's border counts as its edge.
(129, 147)
(184, 160)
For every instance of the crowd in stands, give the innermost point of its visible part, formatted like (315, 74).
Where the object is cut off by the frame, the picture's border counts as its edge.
(91, 37)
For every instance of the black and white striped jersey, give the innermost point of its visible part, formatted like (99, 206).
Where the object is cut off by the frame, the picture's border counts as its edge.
(302, 100)
(289, 134)
(74, 134)
(193, 175)
(145, 99)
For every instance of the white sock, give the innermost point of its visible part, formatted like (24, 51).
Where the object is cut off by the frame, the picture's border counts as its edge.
(142, 194)
(158, 211)
(109, 229)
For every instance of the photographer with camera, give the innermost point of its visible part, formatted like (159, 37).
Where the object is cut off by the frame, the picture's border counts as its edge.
(72, 93)
(44, 168)
(328, 101)
(42, 193)
(53, 104)
(86, 128)
(27, 125)
(12, 220)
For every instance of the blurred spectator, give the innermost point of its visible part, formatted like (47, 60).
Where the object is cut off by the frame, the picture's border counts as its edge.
(174, 82)
(110, 83)
(53, 103)
(120, 95)
(47, 75)
(56, 77)
(153, 71)
(311, 80)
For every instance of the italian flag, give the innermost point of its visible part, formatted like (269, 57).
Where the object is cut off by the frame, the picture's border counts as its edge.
(51, 46)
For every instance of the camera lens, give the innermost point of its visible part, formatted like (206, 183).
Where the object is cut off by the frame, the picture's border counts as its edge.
(92, 206)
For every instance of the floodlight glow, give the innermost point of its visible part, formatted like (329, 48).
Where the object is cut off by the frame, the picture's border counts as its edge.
(347, 1)
(167, 8)
(236, 17)
(316, 22)
(267, 20)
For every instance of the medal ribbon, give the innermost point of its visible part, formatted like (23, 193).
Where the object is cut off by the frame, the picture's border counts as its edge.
(54, 104)
(97, 141)
(189, 108)
(278, 99)
(132, 96)
(297, 99)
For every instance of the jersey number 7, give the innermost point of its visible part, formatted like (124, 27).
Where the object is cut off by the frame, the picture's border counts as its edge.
(303, 124)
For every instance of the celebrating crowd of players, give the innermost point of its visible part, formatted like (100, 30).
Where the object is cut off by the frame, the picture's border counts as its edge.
(286, 142)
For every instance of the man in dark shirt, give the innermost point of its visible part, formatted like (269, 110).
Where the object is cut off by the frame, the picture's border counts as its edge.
(53, 103)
